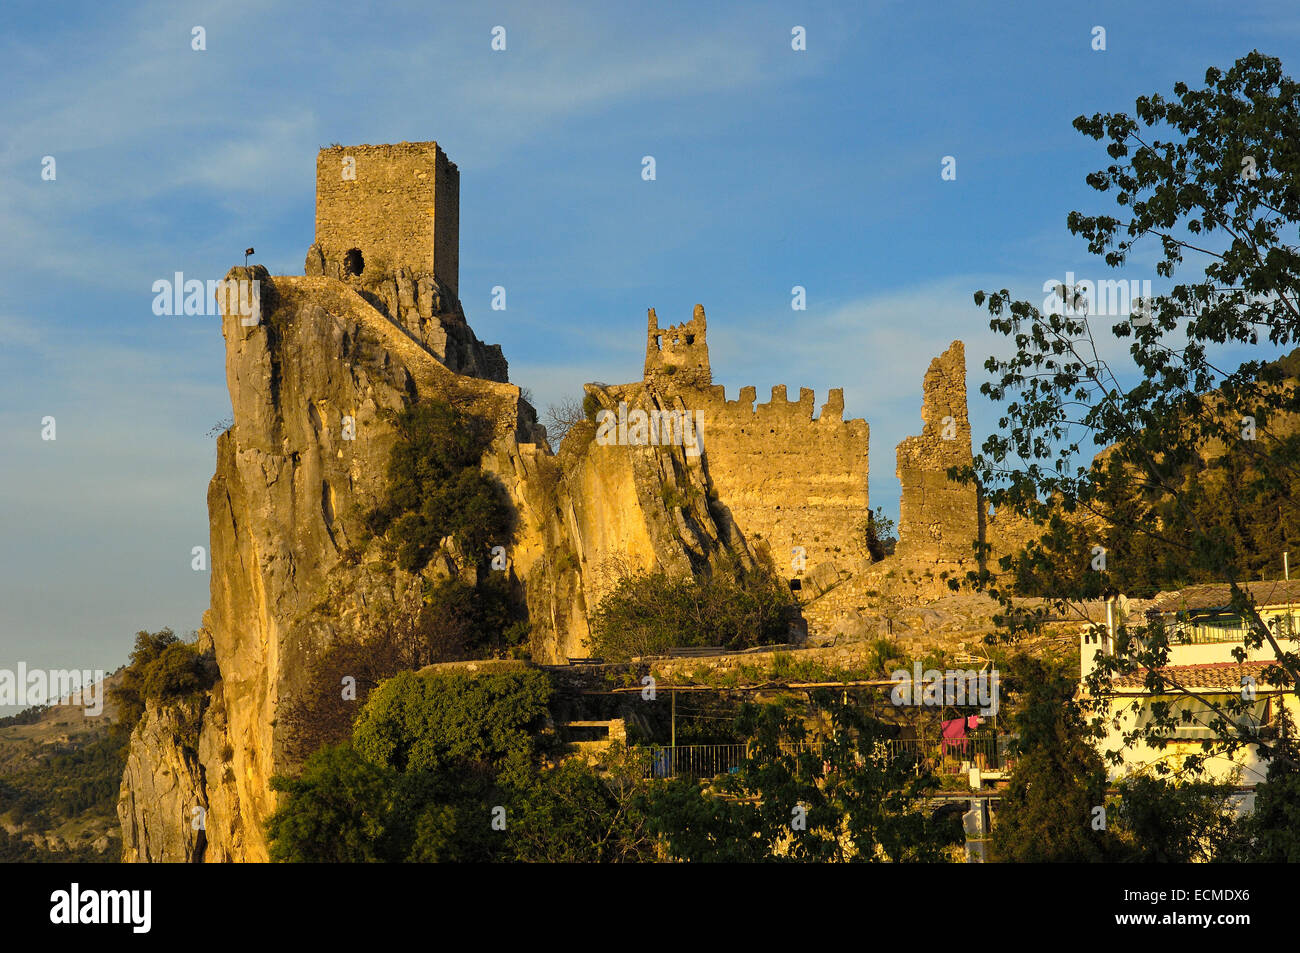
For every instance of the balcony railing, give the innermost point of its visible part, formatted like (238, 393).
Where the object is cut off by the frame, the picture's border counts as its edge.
(987, 752)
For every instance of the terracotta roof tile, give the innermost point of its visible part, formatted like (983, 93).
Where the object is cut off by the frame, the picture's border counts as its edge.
(1221, 675)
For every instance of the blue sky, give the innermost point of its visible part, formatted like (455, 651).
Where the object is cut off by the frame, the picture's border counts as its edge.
(775, 168)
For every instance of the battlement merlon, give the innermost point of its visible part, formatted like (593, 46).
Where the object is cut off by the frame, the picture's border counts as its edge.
(382, 208)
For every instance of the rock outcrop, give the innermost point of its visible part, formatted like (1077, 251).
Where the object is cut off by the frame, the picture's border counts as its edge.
(293, 571)
(315, 376)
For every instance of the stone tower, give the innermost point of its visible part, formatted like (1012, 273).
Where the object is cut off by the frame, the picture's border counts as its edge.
(382, 209)
(939, 517)
(677, 356)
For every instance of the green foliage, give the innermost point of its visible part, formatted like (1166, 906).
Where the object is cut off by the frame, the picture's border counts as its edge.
(879, 534)
(575, 813)
(347, 809)
(1272, 831)
(1046, 815)
(1199, 479)
(162, 668)
(1162, 821)
(64, 781)
(590, 407)
(427, 763)
(28, 716)
(429, 722)
(436, 489)
(178, 672)
(858, 803)
(649, 613)
(338, 811)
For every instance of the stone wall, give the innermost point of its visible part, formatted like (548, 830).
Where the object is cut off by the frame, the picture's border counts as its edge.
(939, 518)
(789, 476)
(786, 476)
(678, 356)
(402, 209)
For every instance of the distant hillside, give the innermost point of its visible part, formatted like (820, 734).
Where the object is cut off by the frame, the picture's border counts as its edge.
(1223, 494)
(60, 772)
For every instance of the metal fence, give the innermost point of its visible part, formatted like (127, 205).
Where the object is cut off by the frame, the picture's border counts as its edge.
(987, 752)
(1205, 634)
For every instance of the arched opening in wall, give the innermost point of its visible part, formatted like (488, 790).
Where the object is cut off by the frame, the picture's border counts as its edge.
(353, 263)
(690, 339)
(796, 585)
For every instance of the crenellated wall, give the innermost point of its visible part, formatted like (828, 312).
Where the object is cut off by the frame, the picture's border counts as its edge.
(789, 476)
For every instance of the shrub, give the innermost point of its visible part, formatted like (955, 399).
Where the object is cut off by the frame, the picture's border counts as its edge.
(163, 668)
(425, 722)
(436, 489)
(645, 614)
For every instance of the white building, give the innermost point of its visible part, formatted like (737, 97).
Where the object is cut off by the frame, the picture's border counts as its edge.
(1201, 672)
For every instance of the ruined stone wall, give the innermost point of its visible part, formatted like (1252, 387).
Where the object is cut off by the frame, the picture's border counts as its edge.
(402, 209)
(939, 519)
(787, 479)
(678, 356)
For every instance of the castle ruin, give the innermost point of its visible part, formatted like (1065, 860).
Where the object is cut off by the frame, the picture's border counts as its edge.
(939, 517)
(385, 209)
(375, 326)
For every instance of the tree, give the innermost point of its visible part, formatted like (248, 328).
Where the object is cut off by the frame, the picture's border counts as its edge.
(847, 798)
(648, 613)
(1163, 821)
(1272, 831)
(1050, 811)
(162, 668)
(1209, 175)
(580, 813)
(560, 417)
(431, 758)
(338, 811)
(431, 722)
(879, 535)
(436, 489)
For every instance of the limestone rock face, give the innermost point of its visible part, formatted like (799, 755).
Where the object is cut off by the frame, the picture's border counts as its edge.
(292, 573)
(163, 802)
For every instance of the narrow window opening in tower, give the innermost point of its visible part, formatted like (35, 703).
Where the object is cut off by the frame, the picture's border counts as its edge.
(659, 341)
(690, 339)
(353, 263)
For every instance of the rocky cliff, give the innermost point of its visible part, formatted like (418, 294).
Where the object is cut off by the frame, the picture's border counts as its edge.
(292, 569)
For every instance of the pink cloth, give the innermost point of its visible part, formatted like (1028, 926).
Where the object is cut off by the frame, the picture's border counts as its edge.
(953, 734)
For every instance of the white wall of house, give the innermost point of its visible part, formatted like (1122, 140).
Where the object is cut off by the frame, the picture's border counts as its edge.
(1244, 767)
